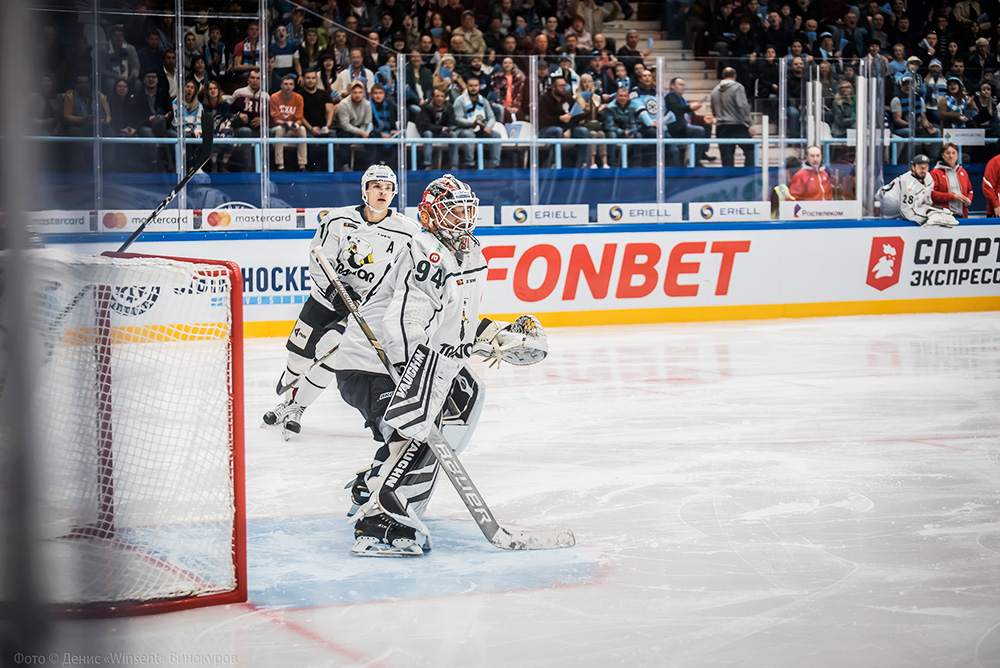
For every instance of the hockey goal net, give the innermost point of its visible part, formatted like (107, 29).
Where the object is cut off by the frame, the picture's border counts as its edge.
(142, 440)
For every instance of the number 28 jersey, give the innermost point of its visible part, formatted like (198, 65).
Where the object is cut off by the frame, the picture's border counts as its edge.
(427, 297)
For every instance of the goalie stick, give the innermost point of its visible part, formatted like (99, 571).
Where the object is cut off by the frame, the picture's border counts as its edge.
(505, 539)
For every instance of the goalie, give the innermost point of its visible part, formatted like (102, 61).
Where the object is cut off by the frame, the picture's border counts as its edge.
(429, 297)
(360, 242)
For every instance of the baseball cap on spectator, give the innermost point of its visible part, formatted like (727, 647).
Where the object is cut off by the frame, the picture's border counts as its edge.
(824, 34)
(914, 59)
(356, 83)
(956, 80)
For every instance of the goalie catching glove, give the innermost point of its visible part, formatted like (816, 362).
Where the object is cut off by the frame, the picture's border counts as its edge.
(520, 343)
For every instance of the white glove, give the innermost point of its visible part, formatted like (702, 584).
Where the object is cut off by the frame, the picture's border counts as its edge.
(520, 343)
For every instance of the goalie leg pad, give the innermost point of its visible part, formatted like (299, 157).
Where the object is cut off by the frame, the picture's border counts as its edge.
(463, 408)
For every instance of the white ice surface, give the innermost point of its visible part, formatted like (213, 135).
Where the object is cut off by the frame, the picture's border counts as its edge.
(801, 493)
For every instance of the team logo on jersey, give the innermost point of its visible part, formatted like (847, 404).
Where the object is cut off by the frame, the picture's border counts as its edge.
(133, 300)
(357, 254)
(651, 105)
(884, 262)
(434, 257)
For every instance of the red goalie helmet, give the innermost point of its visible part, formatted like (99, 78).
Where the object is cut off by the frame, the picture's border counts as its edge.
(448, 211)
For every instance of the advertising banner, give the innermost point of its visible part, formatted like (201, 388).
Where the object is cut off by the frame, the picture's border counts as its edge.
(61, 222)
(128, 220)
(720, 212)
(545, 214)
(608, 276)
(633, 212)
(826, 210)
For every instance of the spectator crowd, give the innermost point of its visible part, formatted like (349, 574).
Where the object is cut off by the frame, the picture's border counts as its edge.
(939, 59)
(330, 71)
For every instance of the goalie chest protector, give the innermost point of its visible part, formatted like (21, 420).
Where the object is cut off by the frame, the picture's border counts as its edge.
(428, 298)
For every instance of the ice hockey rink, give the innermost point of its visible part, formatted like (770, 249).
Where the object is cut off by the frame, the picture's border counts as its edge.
(815, 492)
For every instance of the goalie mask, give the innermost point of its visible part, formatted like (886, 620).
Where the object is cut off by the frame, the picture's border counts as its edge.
(448, 211)
(374, 174)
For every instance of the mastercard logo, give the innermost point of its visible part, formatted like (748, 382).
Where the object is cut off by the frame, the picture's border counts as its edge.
(218, 219)
(615, 212)
(114, 221)
(707, 212)
(520, 215)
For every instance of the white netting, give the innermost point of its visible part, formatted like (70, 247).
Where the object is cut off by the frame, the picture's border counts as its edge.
(136, 400)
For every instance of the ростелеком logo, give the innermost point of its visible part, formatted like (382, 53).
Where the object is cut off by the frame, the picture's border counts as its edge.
(520, 215)
(796, 211)
(884, 262)
(707, 212)
(615, 212)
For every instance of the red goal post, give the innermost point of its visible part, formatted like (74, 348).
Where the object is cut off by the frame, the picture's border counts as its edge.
(142, 454)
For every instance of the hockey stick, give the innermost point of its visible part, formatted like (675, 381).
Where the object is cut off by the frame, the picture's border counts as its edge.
(207, 138)
(208, 135)
(505, 539)
(295, 381)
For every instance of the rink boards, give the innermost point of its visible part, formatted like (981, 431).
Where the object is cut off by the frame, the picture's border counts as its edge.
(620, 274)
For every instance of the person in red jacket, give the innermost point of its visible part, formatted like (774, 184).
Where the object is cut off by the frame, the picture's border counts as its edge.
(812, 181)
(952, 187)
(991, 183)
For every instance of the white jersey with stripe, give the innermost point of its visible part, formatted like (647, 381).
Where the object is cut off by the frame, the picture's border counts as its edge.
(427, 297)
(360, 252)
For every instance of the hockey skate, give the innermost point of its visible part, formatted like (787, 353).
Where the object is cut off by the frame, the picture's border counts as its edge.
(381, 536)
(289, 415)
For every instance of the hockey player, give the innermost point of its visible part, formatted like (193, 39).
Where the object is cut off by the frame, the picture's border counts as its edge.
(430, 296)
(908, 196)
(360, 242)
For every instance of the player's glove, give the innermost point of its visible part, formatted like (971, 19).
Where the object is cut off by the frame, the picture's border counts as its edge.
(339, 307)
(520, 343)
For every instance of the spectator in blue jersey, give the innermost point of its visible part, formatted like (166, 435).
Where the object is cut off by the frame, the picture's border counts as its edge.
(646, 102)
(474, 119)
(907, 124)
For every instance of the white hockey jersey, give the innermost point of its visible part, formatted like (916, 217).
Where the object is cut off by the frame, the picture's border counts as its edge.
(426, 297)
(907, 197)
(359, 251)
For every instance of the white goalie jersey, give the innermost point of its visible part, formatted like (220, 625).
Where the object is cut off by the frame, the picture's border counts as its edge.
(426, 297)
(360, 252)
